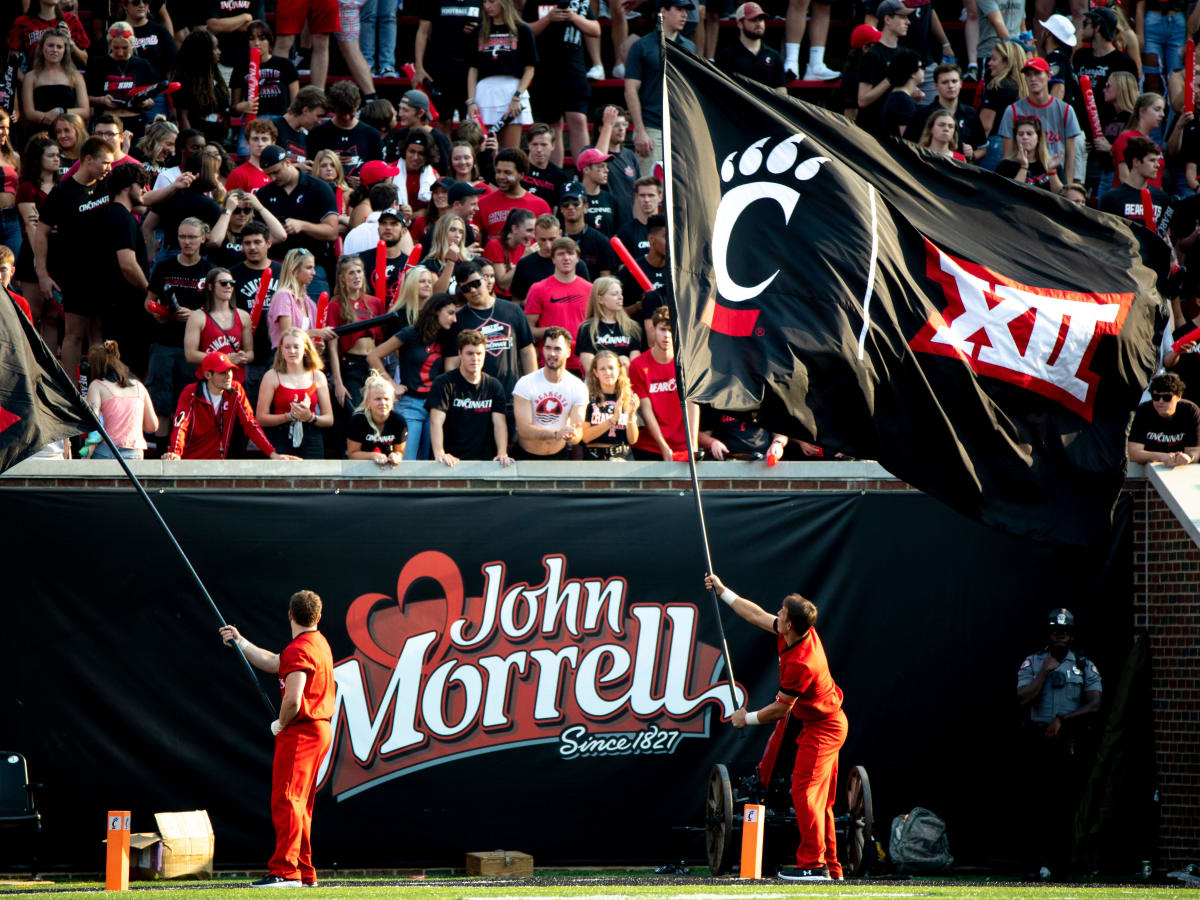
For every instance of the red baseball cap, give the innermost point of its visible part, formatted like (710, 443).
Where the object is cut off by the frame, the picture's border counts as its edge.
(749, 10)
(1036, 62)
(590, 157)
(375, 171)
(214, 362)
(863, 35)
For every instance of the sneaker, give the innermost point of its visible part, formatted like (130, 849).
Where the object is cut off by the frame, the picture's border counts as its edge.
(310, 884)
(972, 73)
(273, 881)
(821, 874)
(595, 73)
(618, 70)
(820, 72)
(790, 75)
(389, 73)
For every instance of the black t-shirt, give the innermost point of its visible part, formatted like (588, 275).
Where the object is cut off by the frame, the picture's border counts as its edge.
(1063, 72)
(245, 292)
(107, 76)
(293, 140)
(970, 129)
(507, 333)
(1035, 174)
(1098, 69)
(600, 409)
(546, 183)
(532, 268)
(765, 67)
(467, 432)
(155, 45)
(595, 251)
(394, 268)
(11, 66)
(635, 236)
(183, 205)
(421, 363)
(872, 71)
(235, 49)
(898, 111)
(453, 37)
(609, 336)
(274, 76)
(1166, 435)
(920, 29)
(394, 431)
(70, 209)
(1189, 150)
(170, 281)
(560, 45)
(1125, 200)
(229, 254)
(505, 53)
(359, 144)
(741, 437)
(310, 200)
(998, 99)
(1187, 366)
(116, 229)
(602, 212)
(632, 291)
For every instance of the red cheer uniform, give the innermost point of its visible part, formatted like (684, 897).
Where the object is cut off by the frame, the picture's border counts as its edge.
(818, 726)
(299, 749)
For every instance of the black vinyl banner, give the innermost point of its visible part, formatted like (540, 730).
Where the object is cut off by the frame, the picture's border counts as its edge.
(534, 671)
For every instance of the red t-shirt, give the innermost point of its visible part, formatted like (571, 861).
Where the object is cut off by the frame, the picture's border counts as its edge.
(309, 652)
(1118, 155)
(22, 304)
(559, 303)
(498, 253)
(365, 307)
(804, 673)
(494, 209)
(650, 378)
(247, 177)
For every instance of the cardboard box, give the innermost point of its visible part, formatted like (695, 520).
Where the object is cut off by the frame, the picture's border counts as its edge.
(181, 848)
(500, 864)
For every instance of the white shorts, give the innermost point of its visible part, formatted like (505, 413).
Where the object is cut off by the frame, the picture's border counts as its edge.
(493, 94)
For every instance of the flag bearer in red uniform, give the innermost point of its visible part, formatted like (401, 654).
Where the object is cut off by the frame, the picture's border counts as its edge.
(808, 709)
(302, 736)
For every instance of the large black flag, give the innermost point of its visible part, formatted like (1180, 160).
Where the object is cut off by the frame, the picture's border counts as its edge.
(985, 341)
(38, 403)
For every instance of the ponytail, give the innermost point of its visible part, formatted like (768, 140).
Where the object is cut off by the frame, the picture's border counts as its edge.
(105, 361)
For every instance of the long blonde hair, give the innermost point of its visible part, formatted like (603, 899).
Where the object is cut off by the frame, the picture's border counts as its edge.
(310, 358)
(327, 154)
(408, 297)
(624, 388)
(600, 287)
(440, 242)
(508, 15)
(1014, 61)
(288, 280)
(341, 292)
(152, 142)
(374, 382)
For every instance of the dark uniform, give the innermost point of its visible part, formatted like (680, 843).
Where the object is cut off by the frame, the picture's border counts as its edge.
(1056, 755)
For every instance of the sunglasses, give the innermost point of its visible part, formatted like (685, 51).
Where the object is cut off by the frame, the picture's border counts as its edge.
(244, 210)
(225, 282)
(470, 285)
(1161, 398)
(568, 203)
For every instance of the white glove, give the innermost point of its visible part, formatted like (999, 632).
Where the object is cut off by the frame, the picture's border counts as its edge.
(276, 727)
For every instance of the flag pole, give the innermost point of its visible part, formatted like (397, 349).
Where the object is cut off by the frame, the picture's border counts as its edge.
(179, 550)
(679, 380)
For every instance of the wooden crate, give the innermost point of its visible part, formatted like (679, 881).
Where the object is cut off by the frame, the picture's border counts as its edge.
(500, 864)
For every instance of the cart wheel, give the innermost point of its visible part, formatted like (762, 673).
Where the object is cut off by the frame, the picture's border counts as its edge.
(859, 842)
(718, 819)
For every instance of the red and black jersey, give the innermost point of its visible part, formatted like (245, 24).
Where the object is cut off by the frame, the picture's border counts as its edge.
(804, 674)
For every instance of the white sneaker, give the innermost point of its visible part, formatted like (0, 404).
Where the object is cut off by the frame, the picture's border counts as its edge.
(618, 70)
(595, 73)
(820, 72)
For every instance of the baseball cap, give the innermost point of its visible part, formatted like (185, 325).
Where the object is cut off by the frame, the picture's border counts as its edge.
(376, 171)
(574, 189)
(1105, 19)
(1061, 27)
(444, 183)
(679, 4)
(749, 11)
(460, 189)
(272, 156)
(591, 156)
(891, 8)
(395, 214)
(863, 35)
(214, 362)
(1037, 63)
(417, 100)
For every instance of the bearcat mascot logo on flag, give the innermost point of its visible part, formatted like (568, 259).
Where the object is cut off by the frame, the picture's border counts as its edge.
(985, 341)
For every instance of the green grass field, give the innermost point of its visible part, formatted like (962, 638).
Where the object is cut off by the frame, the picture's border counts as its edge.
(603, 888)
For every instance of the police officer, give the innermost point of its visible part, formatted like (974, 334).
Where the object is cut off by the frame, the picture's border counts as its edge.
(1060, 690)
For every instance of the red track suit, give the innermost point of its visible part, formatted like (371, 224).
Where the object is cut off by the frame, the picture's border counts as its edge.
(817, 716)
(201, 432)
(299, 749)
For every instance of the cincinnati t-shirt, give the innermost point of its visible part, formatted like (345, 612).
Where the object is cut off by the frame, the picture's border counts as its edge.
(467, 432)
(393, 431)
(650, 378)
(274, 76)
(175, 283)
(495, 207)
(1166, 435)
(551, 401)
(507, 333)
(245, 292)
(70, 210)
(547, 183)
(609, 336)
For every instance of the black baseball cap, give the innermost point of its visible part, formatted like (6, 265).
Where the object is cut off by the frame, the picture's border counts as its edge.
(460, 190)
(272, 156)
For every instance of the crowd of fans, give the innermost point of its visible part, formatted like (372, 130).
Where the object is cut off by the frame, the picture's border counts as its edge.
(194, 232)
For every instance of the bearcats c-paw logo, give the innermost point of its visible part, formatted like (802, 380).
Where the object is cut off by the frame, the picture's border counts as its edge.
(773, 175)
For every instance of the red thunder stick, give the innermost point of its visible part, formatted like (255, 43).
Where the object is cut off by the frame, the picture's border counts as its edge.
(260, 299)
(413, 258)
(252, 79)
(1089, 100)
(1189, 68)
(323, 310)
(631, 264)
(1148, 209)
(158, 309)
(1193, 335)
(381, 270)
